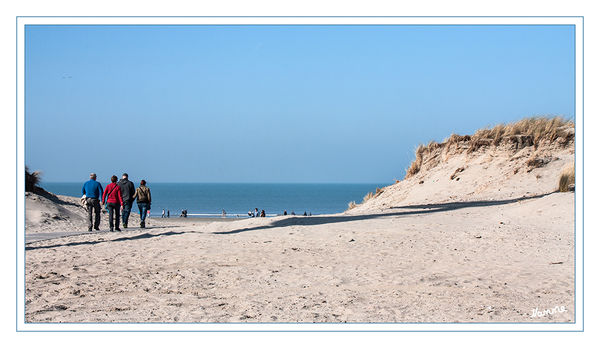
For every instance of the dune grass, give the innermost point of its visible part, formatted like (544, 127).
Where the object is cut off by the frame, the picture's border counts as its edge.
(527, 132)
(367, 197)
(567, 178)
(32, 179)
(532, 131)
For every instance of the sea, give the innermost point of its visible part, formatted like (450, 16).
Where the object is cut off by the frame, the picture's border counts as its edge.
(210, 199)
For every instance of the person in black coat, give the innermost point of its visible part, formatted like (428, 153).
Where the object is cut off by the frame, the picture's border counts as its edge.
(127, 191)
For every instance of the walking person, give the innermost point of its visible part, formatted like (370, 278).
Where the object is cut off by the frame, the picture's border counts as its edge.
(168, 213)
(114, 200)
(127, 191)
(163, 214)
(144, 200)
(93, 192)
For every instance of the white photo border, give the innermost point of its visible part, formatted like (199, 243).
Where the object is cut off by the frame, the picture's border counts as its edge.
(21, 325)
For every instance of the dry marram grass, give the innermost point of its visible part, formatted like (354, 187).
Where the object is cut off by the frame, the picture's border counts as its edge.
(527, 132)
(367, 197)
(567, 178)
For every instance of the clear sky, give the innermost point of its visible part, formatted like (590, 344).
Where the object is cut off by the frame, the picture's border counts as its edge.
(277, 103)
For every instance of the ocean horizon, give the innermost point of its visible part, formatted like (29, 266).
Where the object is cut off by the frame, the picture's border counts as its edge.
(210, 199)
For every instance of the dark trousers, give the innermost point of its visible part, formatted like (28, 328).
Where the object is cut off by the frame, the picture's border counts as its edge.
(126, 212)
(113, 210)
(93, 204)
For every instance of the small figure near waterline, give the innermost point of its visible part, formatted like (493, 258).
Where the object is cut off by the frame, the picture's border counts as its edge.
(284, 212)
(144, 201)
(168, 213)
(163, 214)
(256, 212)
(223, 213)
(305, 214)
(250, 213)
(262, 213)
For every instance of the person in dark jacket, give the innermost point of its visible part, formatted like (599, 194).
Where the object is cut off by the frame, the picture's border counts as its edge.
(127, 191)
(112, 196)
(144, 200)
(93, 192)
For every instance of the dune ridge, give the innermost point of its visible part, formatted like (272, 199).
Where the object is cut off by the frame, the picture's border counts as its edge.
(520, 159)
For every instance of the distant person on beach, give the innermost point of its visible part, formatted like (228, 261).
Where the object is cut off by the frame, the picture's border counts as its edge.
(262, 213)
(285, 212)
(293, 213)
(305, 214)
(223, 213)
(113, 198)
(127, 191)
(168, 213)
(144, 200)
(93, 192)
(250, 213)
(256, 213)
(163, 214)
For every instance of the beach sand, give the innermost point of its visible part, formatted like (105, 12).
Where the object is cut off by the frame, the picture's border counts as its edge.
(471, 264)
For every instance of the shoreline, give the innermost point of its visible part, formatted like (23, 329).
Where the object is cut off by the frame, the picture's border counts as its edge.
(208, 200)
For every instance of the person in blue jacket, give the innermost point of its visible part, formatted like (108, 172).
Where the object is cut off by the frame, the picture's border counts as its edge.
(93, 192)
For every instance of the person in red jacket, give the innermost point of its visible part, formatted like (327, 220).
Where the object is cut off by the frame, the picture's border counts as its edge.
(112, 196)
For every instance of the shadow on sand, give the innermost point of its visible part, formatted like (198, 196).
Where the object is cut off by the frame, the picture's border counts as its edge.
(54, 198)
(101, 234)
(413, 210)
(320, 220)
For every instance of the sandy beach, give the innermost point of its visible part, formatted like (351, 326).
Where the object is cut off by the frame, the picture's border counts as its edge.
(494, 245)
(409, 266)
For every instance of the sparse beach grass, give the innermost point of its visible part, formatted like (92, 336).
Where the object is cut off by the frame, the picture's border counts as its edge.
(530, 131)
(567, 178)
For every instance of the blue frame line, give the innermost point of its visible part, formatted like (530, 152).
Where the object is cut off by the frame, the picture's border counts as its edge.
(295, 323)
(299, 16)
(17, 170)
(582, 179)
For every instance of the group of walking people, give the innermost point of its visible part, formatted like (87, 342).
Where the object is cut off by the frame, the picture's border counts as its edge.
(115, 197)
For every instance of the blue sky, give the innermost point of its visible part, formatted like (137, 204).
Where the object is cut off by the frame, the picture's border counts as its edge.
(277, 103)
